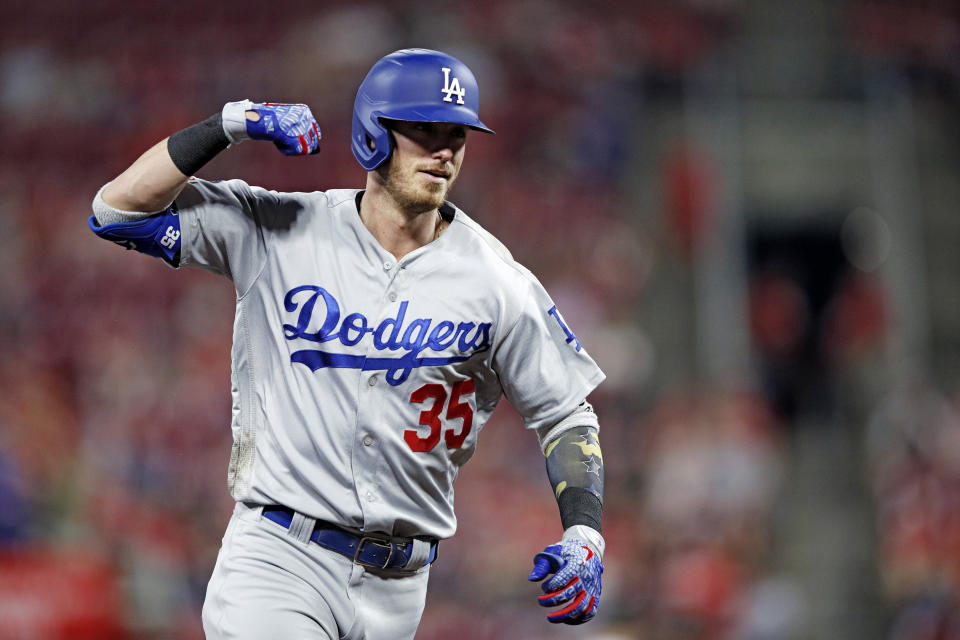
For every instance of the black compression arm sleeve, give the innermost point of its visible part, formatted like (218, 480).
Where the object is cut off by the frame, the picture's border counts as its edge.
(579, 506)
(195, 146)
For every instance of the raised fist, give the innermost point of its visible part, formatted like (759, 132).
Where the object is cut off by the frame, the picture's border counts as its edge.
(291, 127)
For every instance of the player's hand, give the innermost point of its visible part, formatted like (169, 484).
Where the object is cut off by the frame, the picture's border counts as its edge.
(575, 582)
(291, 127)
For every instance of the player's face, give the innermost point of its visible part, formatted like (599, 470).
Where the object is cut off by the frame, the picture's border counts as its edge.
(424, 164)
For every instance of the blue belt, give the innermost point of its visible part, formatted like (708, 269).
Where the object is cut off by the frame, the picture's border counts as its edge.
(371, 551)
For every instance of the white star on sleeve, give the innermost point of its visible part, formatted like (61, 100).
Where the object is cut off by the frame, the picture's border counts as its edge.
(592, 467)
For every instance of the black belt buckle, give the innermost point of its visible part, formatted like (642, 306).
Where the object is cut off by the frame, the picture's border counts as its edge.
(380, 542)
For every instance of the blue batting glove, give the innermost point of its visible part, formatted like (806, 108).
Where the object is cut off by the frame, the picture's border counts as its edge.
(575, 582)
(291, 127)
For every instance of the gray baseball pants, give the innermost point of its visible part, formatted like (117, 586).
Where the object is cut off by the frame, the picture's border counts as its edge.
(271, 582)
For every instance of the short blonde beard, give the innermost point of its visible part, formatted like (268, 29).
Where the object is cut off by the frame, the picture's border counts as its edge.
(408, 198)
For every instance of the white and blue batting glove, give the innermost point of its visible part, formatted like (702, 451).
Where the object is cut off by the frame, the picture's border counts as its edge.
(576, 565)
(291, 127)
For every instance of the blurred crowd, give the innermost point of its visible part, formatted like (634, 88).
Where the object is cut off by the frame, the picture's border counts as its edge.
(114, 379)
(913, 447)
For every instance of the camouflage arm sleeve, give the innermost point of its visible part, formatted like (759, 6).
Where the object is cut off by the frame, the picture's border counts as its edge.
(575, 470)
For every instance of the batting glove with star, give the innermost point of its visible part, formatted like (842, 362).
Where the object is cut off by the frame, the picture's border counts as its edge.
(291, 127)
(575, 563)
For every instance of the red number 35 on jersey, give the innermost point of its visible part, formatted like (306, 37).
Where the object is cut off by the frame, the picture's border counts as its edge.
(430, 417)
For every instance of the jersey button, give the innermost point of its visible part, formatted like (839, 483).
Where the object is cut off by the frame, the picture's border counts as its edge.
(367, 440)
(387, 265)
(372, 381)
(393, 296)
(370, 496)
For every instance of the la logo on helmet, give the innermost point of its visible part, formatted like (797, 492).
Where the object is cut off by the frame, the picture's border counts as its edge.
(452, 88)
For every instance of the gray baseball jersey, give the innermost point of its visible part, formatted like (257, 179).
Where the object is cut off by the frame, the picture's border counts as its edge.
(360, 383)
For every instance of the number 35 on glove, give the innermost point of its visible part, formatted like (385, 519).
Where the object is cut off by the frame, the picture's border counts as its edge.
(575, 583)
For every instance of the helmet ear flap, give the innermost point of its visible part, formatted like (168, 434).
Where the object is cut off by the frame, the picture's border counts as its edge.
(371, 142)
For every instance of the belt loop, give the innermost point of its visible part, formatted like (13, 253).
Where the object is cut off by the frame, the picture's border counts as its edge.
(419, 554)
(247, 507)
(309, 524)
(301, 527)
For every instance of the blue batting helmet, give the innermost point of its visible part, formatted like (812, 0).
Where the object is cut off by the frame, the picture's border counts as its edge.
(420, 85)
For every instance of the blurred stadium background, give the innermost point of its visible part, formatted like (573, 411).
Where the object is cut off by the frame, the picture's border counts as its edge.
(747, 210)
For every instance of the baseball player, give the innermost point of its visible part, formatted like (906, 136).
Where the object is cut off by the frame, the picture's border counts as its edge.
(376, 329)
